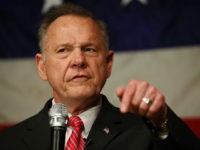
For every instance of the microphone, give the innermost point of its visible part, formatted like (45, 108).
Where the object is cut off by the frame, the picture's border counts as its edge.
(58, 116)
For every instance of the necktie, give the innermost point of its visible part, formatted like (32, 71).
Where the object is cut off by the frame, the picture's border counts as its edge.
(75, 141)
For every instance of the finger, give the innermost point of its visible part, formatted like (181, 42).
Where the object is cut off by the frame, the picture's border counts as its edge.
(141, 90)
(127, 97)
(144, 107)
(156, 111)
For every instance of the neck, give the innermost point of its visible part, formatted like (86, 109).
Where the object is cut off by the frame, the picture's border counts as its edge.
(76, 107)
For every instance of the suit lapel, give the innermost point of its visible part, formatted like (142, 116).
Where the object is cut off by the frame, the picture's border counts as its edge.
(37, 131)
(104, 130)
(107, 126)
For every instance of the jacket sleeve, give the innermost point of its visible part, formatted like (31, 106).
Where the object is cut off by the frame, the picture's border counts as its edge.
(180, 134)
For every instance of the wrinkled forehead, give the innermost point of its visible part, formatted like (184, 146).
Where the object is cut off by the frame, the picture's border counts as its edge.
(73, 24)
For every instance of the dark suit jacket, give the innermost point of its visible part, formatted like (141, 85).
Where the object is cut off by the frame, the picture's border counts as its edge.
(111, 130)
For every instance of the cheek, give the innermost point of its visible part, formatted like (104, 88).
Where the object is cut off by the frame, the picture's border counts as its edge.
(100, 72)
(55, 71)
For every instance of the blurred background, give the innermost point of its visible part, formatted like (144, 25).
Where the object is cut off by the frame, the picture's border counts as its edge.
(154, 40)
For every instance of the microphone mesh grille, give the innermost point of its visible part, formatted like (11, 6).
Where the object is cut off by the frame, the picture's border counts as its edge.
(58, 109)
(58, 115)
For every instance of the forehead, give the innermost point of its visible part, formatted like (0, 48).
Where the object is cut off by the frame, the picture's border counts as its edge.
(73, 21)
(71, 28)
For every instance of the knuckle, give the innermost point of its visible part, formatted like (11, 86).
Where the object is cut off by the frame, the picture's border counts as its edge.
(160, 97)
(129, 93)
(152, 89)
(132, 82)
(144, 84)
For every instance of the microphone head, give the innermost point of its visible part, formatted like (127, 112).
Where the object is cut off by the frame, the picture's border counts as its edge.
(58, 115)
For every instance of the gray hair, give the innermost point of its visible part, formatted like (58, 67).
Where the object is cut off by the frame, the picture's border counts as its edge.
(67, 9)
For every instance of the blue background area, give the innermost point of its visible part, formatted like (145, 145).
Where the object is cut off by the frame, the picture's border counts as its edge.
(160, 23)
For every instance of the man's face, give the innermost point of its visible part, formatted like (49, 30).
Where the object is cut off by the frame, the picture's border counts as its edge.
(76, 62)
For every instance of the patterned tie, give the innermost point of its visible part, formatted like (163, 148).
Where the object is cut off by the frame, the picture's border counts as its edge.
(75, 141)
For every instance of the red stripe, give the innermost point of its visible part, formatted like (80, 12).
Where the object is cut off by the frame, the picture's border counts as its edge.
(194, 124)
(3, 126)
(75, 141)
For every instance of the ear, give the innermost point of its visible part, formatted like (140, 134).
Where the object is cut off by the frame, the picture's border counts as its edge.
(41, 66)
(109, 62)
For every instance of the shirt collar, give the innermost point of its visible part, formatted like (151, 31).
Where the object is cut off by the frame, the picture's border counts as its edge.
(88, 117)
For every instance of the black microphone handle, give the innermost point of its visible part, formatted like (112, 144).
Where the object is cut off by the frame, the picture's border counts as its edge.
(58, 137)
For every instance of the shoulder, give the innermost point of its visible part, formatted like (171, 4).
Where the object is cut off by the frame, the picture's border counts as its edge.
(20, 131)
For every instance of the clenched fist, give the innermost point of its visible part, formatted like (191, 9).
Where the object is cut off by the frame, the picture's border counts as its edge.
(141, 98)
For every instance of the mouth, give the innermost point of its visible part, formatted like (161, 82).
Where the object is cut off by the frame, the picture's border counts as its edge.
(80, 78)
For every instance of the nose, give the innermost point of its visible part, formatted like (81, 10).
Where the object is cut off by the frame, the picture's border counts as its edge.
(78, 59)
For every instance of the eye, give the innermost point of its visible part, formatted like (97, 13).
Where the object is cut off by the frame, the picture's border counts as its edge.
(89, 49)
(61, 50)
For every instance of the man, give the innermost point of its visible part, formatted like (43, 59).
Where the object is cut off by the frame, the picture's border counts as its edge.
(76, 62)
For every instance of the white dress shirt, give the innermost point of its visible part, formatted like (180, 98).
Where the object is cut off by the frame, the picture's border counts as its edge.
(88, 117)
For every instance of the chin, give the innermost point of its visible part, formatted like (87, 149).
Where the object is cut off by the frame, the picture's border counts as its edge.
(81, 93)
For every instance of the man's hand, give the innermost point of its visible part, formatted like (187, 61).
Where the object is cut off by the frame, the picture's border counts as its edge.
(131, 101)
